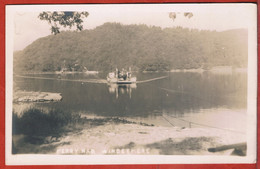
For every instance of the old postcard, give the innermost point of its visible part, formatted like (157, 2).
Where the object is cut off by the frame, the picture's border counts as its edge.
(131, 84)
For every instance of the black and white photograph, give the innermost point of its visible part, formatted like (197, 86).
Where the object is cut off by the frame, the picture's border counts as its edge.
(131, 83)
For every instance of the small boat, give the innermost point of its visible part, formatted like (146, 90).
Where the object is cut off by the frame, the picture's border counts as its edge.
(121, 77)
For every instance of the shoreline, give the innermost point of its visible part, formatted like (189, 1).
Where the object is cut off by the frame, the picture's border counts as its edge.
(215, 69)
(119, 136)
(31, 96)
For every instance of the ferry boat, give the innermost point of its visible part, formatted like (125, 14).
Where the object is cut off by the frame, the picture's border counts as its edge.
(121, 77)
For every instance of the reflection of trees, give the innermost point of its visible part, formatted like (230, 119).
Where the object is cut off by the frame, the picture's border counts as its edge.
(184, 92)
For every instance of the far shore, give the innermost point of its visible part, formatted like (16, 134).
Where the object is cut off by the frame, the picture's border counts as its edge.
(216, 69)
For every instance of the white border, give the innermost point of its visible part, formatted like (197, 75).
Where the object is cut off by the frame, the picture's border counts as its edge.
(33, 159)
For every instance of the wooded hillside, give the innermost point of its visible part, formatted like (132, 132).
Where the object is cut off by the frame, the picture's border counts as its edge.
(138, 46)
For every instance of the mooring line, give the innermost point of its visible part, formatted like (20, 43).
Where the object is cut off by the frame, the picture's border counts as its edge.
(199, 124)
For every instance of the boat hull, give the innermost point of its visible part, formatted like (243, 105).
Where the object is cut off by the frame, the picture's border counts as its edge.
(124, 82)
(118, 81)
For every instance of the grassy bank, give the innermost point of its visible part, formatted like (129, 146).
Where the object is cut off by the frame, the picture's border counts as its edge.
(61, 132)
(38, 126)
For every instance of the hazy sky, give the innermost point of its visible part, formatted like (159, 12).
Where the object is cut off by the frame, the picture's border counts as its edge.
(27, 27)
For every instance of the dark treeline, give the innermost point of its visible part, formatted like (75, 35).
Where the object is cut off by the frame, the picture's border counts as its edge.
(138, 46)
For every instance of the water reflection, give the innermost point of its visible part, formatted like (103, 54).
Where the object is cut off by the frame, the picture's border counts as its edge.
(179, 94)
(119, 89)
(183, 99)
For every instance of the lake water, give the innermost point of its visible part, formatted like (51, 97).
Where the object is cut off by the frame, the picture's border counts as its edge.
(209, 99)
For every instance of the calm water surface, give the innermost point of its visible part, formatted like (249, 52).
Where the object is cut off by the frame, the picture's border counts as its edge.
(190, 96)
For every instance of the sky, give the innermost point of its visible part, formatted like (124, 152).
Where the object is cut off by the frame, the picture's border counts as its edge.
(27, 27)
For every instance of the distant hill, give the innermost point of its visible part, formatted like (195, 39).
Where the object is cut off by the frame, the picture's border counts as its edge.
(138, 46)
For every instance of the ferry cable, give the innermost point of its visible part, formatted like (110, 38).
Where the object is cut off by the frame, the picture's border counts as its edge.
(86, 81)
(169, 90)
(181, 92)
(149, 80)
(207, 125)
(176, 91)
(70, 80)
(167, 121)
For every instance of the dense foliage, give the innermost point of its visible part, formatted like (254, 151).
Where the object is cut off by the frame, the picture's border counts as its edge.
(138, 46)
(36, 122)
(65, 19)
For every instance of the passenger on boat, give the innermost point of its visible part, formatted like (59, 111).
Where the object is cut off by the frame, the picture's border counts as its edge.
(124, 74)
(129, 74)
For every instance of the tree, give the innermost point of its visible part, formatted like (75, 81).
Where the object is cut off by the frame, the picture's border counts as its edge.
(173, 15)
(65, 19)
